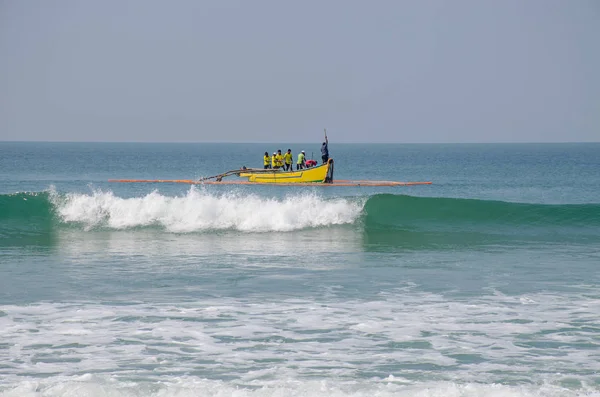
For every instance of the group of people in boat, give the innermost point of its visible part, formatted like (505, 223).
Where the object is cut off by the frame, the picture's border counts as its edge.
(284, 161)
(279, 161)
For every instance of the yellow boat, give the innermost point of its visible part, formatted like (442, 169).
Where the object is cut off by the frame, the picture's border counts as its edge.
(319, 174)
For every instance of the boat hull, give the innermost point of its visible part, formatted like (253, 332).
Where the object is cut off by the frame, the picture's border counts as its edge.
(319, 174)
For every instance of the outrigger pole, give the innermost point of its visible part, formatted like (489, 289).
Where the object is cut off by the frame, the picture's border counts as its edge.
(315, 184)
(233, 172)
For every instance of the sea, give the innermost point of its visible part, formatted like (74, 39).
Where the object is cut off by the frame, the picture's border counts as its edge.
(484, 283)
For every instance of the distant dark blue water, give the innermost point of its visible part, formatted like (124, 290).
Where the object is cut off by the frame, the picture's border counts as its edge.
(483, 283)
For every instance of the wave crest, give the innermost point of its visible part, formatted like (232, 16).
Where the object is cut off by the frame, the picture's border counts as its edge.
(199, 210)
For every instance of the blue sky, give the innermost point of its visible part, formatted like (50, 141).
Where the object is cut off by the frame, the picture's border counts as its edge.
(264, 71)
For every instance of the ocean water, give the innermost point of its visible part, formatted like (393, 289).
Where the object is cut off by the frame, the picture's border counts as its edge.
(485, 283)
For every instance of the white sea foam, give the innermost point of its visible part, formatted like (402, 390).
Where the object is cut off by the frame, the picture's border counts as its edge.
(404, 343)
(94, 386)
(200, 210)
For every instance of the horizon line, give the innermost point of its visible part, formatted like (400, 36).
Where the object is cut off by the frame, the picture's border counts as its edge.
(308, 143)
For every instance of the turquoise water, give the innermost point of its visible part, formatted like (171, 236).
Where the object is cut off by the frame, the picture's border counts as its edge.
(484, 283)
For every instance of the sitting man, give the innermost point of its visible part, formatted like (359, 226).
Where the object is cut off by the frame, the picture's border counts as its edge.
(311, 163)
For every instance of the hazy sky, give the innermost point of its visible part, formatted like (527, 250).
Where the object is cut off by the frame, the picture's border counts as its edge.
(281, 71)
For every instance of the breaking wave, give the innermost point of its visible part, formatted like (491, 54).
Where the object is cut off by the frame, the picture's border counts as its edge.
(399, 220)
(200, 211)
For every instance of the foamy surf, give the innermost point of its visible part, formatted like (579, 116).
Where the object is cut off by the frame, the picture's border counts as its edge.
(97, 386)
(200, 210)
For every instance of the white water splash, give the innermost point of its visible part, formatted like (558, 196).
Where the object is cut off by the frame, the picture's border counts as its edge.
(92, 386)
(296, 347)
(199, 210)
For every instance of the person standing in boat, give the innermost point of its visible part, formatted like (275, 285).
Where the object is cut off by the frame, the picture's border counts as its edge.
(300, 164)
(325, 150)
(274, 161)
(287, 158)
(279, 159)
(267, 161)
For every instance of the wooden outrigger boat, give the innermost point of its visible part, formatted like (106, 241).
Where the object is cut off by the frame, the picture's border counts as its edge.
(321, 175)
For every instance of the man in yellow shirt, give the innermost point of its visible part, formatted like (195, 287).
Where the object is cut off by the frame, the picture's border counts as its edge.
(274, 161)
(267, 161)
(279, 159)
(287, 158)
